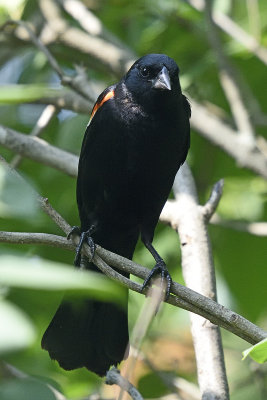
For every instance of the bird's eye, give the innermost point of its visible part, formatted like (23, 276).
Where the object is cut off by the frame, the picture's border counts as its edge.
(144, 72)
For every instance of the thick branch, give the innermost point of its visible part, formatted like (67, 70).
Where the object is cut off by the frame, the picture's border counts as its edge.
(198, 271)
(39, 150)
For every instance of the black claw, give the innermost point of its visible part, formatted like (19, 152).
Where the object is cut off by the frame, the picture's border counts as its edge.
(85, 237)
(92, 245)
(160, 268)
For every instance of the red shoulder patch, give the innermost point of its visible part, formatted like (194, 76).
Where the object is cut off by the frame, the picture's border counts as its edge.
(98, 104)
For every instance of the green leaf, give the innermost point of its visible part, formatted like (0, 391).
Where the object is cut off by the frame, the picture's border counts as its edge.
(151, 386)
(243, 198)
(258, 352)
(47, 275)
(13, 94)
(26, 389)
(17, 331)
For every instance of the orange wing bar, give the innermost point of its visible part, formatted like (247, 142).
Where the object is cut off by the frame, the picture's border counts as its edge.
(108, 96)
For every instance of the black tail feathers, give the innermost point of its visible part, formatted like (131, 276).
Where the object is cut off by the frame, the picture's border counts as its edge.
(87, 333)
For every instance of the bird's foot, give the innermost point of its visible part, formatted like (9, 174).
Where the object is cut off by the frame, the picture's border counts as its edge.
(165, 277)
(85, 237)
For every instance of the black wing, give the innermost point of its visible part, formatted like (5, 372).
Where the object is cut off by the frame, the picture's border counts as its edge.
(96, 158)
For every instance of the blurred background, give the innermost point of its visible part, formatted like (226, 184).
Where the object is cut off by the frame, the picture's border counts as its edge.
(223, 72)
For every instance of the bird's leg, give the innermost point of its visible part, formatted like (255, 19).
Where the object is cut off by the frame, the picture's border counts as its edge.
(159, 268)
(85, 237)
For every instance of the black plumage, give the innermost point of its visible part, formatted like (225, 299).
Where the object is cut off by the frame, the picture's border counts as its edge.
(136, 140)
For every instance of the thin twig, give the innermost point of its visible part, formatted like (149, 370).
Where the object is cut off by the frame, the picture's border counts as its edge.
(79, 82)
(254, 228)
(47, 239)
(37, 42)
(155, 297)
(209, 208)
(174, 383)
(113, 377)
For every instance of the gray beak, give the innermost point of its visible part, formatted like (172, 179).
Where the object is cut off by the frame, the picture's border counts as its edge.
(162, 81)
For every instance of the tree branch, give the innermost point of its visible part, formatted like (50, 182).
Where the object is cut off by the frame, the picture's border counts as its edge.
(199, 275)
(184, 297)
(79, 82)
(209, 208)
(113, 377)
(39, 150)
(254, 228)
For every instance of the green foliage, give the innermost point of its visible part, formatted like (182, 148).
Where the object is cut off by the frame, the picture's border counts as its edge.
(152, 387)
(14, 94)
(26, 389)
(258, 352)
(43, 275)
(14, 320)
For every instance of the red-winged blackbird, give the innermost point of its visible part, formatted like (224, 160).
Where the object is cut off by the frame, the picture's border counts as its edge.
(137, 138)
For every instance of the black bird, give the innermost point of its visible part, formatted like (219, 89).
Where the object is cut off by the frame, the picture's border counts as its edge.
(134, 144)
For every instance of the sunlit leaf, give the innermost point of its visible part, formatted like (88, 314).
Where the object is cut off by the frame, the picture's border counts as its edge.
(13, 94)
(47, 275)
(258, 352)
(243, 198)
(26, 389)
(17, 331)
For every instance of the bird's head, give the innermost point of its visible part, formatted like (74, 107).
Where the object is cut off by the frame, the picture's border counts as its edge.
(153, 79)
